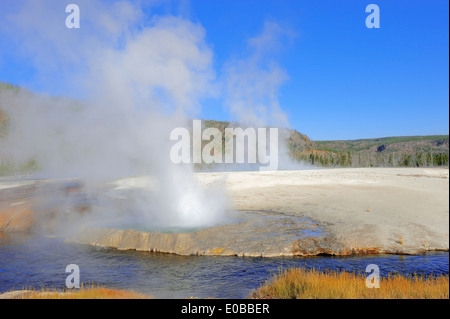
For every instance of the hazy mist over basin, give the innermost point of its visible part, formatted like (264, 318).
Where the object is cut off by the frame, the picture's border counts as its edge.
(137, 80)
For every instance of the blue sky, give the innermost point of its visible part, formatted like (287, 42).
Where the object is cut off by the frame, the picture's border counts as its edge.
(345, 81)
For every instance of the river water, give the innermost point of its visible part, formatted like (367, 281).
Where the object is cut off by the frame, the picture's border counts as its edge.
(37, 262)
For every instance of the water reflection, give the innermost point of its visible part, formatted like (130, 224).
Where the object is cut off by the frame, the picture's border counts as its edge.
(41, 262)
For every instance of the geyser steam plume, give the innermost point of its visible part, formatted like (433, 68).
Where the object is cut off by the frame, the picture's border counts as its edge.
(138, 80)
(134, 80)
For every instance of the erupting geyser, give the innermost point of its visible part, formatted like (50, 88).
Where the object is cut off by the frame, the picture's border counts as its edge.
(134, 93)
(135, 79)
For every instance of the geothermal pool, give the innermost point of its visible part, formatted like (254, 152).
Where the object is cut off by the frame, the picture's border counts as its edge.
(30, 261)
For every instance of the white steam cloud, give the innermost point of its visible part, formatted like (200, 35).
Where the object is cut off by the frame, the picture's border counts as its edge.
(139, 79)
(253, 81)
(252, 85)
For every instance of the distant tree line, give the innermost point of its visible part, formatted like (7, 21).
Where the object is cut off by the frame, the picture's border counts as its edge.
(9, 86)
(366, 159)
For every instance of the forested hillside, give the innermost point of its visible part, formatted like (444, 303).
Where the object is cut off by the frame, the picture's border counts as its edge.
(405, 151)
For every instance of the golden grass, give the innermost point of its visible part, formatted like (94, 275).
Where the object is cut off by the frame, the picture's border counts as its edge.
(90, 292)
(298, 283)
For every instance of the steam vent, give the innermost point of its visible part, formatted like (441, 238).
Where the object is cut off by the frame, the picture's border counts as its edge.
(290, 213)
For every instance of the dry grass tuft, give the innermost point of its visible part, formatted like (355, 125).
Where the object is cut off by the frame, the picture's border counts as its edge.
(298, 283)
(90, 292)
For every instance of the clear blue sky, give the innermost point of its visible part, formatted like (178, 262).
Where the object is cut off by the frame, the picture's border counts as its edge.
(345, 81)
